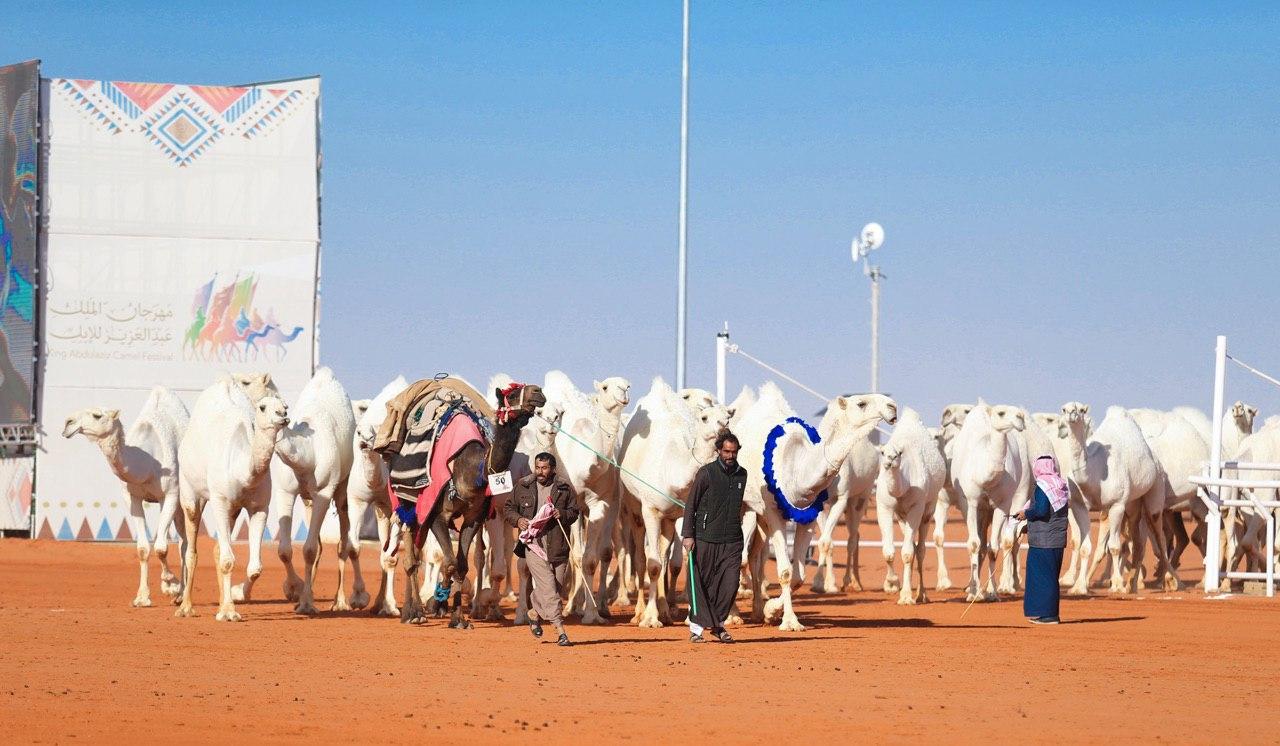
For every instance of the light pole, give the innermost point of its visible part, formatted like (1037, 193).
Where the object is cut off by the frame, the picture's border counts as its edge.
(682, 302)
(870, 239)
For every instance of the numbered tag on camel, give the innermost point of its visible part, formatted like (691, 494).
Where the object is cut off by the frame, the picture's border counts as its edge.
(500, 483)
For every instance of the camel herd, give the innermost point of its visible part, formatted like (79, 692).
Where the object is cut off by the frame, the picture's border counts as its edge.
(241, 448)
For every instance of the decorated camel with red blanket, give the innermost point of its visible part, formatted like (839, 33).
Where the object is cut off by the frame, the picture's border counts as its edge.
(442, 441)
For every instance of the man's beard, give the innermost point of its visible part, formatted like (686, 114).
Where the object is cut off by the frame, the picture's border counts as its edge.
(729, 463)
(544, 481)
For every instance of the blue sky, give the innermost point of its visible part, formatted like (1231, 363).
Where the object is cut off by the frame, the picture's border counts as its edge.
(1077, 198)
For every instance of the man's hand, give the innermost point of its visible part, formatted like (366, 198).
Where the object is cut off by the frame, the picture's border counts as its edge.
(522, 523)
(688, 545)
(555, 513)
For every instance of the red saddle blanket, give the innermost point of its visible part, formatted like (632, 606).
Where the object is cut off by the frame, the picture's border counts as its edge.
(460, 431)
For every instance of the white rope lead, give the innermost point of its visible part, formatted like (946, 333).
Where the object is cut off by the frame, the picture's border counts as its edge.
(1254, 371)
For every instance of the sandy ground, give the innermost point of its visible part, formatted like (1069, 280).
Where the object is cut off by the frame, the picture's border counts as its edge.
(79, 664)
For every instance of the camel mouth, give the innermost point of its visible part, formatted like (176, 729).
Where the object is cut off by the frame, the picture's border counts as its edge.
(70, 431)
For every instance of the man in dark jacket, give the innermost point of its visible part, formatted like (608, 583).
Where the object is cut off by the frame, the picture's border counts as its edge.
(548, 555)
(712, 534)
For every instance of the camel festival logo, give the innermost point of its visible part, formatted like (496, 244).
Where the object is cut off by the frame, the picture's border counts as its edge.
(226, 326)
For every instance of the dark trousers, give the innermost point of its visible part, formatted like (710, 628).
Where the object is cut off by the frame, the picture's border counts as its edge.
(714, 582)
(1043, 568)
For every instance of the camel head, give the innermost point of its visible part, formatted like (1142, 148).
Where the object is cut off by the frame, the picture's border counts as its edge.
(1005, 418)
(1047, 421)
(550, 415)
(359, 407)
(257, 385)
(1075, 419)
(890, 458)
(364, 438)
(270, 415)
(954, 414)
(697, 399)
(1244, 414)
(707, 425)
(93, 423)
(614, 392)
(517, 403)
(864, 409)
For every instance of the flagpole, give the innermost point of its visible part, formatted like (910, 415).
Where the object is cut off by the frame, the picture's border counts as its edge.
(682, 275)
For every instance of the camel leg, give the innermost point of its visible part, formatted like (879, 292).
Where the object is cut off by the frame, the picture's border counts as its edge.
(778, 540)
(853, 521)
(180, 526)
(1154, 514)
(975, 542)
(911, 536)
(986, 521)
(596, 535)
(355, 510)
(311, 551)
(921, 596)
(138, 524)
(284, 544)
(169, 584)
(1114, 543)
(386, 600)
(799, 554)
(824, 577)
(884, 517)
(497, 556)
(940, 510)
(655, 566)
(749, 522)
(257, 522)
(411, 611)
(1175, 528)
(1079, 560)
(1002, 536)
(191, 521)
(226, 560)
(459, 618)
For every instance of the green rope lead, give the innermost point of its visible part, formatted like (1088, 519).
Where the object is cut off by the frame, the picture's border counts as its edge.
(693, 586)
(621, 468)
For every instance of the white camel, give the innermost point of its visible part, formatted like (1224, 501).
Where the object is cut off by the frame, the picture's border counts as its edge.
(1181, 453)
(1078, 520)
(367, 487)
(1116, 470)
(596, 423)
(317, 450)
(224, 457)
(802, 470)
(852, 492)
(912, 472)
(146, 463)
(991, 471)
(1249, 534)
(953, 416)
(663, 446)
(1237, 424)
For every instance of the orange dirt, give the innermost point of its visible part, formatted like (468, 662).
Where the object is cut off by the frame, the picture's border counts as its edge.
(79, 663)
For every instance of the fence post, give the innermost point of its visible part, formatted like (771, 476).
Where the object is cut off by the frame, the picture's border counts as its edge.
(1213, 547)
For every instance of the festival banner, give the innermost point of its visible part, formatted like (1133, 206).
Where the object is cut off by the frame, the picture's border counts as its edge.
(19, 109)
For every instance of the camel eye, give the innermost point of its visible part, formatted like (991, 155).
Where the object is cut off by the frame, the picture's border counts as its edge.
(97, 416)
(262, 407)
(862, 405)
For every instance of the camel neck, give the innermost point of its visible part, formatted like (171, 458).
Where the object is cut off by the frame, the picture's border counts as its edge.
(262, 448)
(112, 447)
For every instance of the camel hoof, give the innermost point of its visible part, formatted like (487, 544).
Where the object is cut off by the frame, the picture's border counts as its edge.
(185, 611)
(1171, 583)
(385, 610)
(891, 585)
(305, 607)
(359, 599)
(238, 593)
(942, 585)
(340, 604)
(906, 600)
(791, 625)
(460, 624)
(648, 622)
(170, 587)
(293, 589)
(141, 601)
(523, 618)
(229, 615)
(733, 620)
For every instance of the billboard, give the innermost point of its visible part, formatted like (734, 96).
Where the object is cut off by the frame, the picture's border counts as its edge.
(19, 218)
(182, 241)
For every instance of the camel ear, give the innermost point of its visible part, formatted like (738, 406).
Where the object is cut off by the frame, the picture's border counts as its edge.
(599, 386)
(266, 379)
(1252, 410)
(732, 412)
(113, 414)
(842, 402)
(1084, 408)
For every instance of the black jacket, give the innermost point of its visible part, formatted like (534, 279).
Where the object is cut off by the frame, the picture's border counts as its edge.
(1046, 527)
(714, 509)
(523, 503)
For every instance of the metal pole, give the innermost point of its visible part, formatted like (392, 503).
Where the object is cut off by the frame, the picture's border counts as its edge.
(1213, 549)
(722, 349)
(682, 302)
(875, 330)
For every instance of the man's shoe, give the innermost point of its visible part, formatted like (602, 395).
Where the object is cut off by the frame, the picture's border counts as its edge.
(695, 638)
(1045, 620)
(536, 629)
(723, 636)
(564, 641)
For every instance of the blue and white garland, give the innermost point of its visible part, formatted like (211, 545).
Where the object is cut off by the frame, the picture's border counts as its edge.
(789, 511)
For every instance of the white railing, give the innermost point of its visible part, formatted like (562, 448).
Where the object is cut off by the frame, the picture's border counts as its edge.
(1214, 482)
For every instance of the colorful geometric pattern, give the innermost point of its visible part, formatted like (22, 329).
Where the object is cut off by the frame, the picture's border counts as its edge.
(183, 121)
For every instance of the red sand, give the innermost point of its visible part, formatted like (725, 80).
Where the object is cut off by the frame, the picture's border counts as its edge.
(80, 664)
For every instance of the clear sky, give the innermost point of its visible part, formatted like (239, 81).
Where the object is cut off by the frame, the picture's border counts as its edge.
(1077, 198)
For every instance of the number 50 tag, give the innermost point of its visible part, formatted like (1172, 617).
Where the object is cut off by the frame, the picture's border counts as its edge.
(500, 483)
